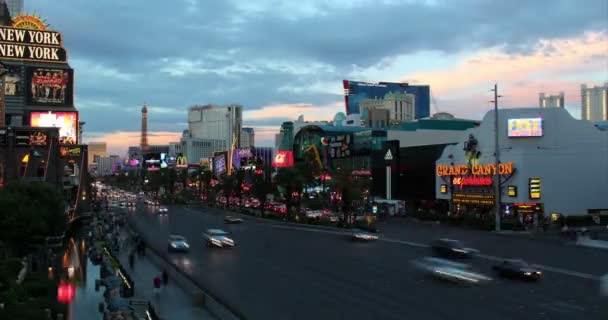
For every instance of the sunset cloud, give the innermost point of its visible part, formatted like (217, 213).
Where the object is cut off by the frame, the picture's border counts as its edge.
(292, 111)
(119, 142)
(553, 66)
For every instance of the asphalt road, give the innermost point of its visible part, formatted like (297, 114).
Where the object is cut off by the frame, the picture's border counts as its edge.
(284, 272)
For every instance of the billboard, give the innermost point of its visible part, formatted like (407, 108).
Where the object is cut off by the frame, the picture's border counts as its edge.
(219, 164)
(25, 44)
(67, 122)
(13, 82)
(31, 138)
(50, 86)
(525, 127)
(283, 159)
(181, 161)
(164, 160)
(356, 91)
(152, 161)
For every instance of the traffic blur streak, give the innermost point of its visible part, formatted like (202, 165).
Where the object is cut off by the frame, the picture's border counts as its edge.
(451, 271)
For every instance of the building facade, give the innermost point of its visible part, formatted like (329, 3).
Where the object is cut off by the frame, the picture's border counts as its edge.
(216, 123)
(38, 95)
(551, 101)
(15, 7)
(97, 149)
(550, 164)
(355, 92)
(400, 105)
(594, 103)
(378, 118)
(247, 138)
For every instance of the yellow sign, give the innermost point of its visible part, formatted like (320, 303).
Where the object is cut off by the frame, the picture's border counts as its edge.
(476, 169)
(512, 191)
(29, 22)
(534, 188)
(74, 152)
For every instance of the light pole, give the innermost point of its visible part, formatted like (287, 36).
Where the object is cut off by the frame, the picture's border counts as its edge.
(496, 160)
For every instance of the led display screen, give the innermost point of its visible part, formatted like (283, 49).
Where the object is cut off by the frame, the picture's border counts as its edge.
(526, 127)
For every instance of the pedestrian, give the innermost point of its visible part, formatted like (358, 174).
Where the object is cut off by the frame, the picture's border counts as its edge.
(157, 283)
(165, 277)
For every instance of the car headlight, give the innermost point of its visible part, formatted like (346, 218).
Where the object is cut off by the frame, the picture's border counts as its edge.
(173, 245)
(186, 245)
(528, 273)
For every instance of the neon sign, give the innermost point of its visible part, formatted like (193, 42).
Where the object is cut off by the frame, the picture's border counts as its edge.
(472, 181)
(476, 169)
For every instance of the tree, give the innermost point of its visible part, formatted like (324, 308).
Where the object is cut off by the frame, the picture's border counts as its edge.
(30, 213)
(261, 187)
(349, 189)
(291, 182)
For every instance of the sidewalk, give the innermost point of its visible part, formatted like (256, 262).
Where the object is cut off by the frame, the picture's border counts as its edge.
(173, 302)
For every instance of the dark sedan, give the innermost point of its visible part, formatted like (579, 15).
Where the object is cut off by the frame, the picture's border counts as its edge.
(449, 248)
(518, 269)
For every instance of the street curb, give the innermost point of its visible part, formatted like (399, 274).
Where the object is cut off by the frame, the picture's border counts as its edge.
(221, 310)
(277, 222)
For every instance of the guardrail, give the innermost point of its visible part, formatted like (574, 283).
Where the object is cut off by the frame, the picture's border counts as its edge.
(219, 307)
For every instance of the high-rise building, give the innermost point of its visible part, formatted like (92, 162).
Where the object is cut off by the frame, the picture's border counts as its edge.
(216, 123)
(551, 101)
(355, 92)
(247, 138)
(15, 7)
(99, 149)
(107, 165)
(594, 103)
(400, 105)
(144, 129)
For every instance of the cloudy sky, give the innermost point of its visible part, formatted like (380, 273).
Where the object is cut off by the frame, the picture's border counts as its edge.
(282, 58)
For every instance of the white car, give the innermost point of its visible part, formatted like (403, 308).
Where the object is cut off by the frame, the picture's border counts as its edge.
(363, 236)
(217, 238)
(163, 210)
(178, 244)
(451, 271)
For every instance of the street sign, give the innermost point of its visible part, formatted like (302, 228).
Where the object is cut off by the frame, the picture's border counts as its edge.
(389, 155)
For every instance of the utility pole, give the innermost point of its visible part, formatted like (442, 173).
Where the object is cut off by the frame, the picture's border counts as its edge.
(496, 160)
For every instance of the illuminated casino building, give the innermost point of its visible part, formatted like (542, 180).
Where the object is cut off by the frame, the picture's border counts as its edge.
(39, 124)
(549, 164)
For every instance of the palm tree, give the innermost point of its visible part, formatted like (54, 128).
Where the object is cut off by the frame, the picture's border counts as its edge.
(261, 188)
(348, 188)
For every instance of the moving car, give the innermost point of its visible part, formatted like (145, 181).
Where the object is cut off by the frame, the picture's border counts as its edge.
(178, 244)
(131, 204)
(232, 220)
(217, 238)
(360, 235)
(518, 269)
(450, 248)
(163, 210)
(451, 271)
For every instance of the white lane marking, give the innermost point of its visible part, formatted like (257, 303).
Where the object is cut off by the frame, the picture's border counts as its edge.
(567, 272)
(409, 243)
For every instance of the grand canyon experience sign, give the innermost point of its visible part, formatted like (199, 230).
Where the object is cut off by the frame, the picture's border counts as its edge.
(31, 45)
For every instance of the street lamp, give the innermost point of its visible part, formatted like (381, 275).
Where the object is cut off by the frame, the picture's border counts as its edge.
(496, 160)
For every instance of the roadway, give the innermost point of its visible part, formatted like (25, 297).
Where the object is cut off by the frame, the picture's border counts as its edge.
(289, 272)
